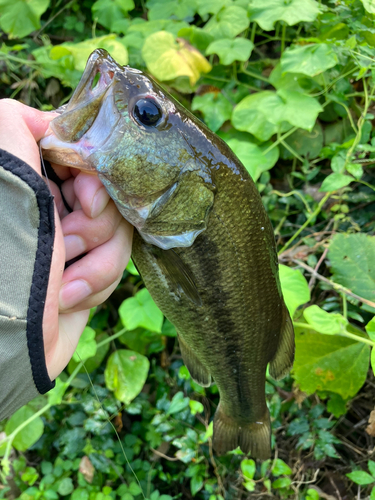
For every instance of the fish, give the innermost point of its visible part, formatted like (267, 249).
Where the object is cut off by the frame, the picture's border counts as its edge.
(204, 244)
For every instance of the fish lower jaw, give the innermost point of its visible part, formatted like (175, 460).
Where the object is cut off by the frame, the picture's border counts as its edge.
(63, 153)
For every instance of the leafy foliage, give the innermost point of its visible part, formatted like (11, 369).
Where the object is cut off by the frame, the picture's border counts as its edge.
(290, 86)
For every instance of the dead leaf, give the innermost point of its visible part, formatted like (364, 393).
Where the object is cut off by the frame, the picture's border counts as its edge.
(86, 469)
(370, 429)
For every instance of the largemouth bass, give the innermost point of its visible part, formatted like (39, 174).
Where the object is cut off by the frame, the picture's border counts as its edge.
(204, 244)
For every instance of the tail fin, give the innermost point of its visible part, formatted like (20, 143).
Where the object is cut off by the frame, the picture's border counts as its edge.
(253, 438)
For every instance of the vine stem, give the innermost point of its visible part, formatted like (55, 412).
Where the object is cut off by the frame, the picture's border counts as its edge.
(280, 139)
(307, 222)
(283, 31)
(344, 333)
(334, 285)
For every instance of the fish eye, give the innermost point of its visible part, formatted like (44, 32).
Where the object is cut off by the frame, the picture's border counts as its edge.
(147, 112)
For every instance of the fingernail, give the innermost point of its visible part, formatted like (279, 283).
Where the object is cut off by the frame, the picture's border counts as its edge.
(73, 293)
(99, 202)
(74, 246)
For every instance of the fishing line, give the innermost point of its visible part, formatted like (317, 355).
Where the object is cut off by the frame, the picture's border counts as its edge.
(44, 168)
(107, 418)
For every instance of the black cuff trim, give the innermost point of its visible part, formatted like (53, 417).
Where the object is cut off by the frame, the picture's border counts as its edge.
(42, 267)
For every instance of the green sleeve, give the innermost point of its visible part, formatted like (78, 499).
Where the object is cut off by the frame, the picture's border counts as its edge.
(26, 245)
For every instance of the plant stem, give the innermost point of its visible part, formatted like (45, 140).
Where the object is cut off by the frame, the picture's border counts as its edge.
(280, 139)
(291, 193)
(344, 306)
(283, 38)
(291, 150)
(334, 285)
(308, 220)
(253, 31)
(254, 75)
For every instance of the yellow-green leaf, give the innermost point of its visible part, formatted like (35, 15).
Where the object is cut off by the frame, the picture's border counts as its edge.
(168, 59)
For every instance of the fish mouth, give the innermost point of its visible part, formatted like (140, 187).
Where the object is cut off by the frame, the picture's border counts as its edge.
(85, 124)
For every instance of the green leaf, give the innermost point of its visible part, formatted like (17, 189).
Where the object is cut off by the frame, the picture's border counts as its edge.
(248, 468)
(324, 322)
(211, 6)
(338, 163)
(135, 489)
(369, 5)
(355, 169)
(141, 311)
(289, 109)
(352, 258)
(131, 268)
(249, 115)
(95, 361)
(109, 12)
(335, 181)
(262, 113)
(373, 359)
(309, 60)
(143, 341)
(196, 484)
(282, 482)
(336, 405)
(172, 9)
(195, 407)
(292, 81)
(21, 17)
(56, 395)
(371, 468)
(360, 477)
(332, 363)
(229, 22)
(197, 37)
(370, 328)
(312, 494)
(267, 12)
(229, 50)
(253, 157)
(215, 107)
(30, 434)
(178, 403)
(65, 487)
(372, 495)
(81, 51)
(281, 468)
(294, 287)
(126, 373)
(87, 346)
(167, 59)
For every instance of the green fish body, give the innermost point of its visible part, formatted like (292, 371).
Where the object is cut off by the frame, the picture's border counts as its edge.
(204, 244)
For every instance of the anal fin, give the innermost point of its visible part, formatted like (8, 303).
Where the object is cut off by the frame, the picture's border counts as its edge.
(284, 357)
(198, 372)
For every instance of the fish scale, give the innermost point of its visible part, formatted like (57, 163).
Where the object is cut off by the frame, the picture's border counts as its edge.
(203, 244)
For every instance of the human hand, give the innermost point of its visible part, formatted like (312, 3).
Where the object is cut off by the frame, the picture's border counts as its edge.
(94, 227)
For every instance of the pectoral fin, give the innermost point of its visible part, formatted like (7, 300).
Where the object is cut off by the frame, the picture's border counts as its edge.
(197, 371)
(178, 274)
(283, 360)
(176, 220)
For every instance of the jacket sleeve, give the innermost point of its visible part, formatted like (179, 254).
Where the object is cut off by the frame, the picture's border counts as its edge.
(27, 231)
